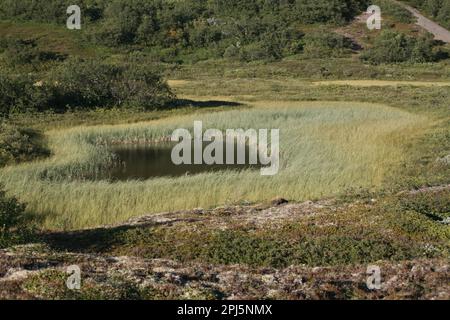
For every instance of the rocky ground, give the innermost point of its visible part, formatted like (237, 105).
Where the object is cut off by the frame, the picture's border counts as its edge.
(39, 271)
(29, 273)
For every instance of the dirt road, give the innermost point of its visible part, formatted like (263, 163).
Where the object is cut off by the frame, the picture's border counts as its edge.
(439, 32)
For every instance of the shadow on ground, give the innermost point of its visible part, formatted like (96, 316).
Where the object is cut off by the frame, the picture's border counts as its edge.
(205, 104)
(86, 241)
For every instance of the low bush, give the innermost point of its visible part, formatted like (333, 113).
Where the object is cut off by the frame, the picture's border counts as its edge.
(324, 44)
(395, 10)
(20, 52)
(394, 47)
(20, 144)
(91, 83)
(13, 222)
(266, 249)
(50, 11)
(324, 11)
(273, 46)
(85, 84)
(436, 9)
(255, 51)
(434, 205)
(21, 94)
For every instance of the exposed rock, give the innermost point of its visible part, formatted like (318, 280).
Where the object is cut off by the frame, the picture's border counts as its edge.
(194, 280)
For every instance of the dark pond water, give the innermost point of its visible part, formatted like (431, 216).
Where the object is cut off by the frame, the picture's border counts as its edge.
(141, 162)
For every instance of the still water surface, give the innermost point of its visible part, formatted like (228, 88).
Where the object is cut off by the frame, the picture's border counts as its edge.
(142, 162)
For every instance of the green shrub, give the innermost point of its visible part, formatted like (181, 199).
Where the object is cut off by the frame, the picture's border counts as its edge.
(423, 50)
(125, 22)
(268, 27)
(325, 11)
(21, 94)
(324, 44)
(232, 52)
(13, 226)
(253, 52)
(53, 11)
(273, 46)
(395, 10)
(141, 87)
(394, 47)
(233, 247)
(92, 83)
(85, 84)
(19, 52)
(268, 249)
(19, 144)
(436, 9)
(434, 205)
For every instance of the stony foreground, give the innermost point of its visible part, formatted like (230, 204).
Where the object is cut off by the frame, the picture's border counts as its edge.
(28, 273)
(277, 250)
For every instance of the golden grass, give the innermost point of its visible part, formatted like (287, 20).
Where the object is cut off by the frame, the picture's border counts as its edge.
(326, 147)
(383, 83)
(177, 83)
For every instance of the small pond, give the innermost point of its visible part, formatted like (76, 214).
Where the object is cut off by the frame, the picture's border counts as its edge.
(142, 162)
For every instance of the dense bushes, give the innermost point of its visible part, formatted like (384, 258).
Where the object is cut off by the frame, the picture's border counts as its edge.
(202, 23)
(48, 10)
(13, 227)
(163, 14)
(20, 52)
(84, 84)
(268, 27)
(79, 84)
(273, 47)
(322, 44)
(193, 30)
(313, 11)
(19, 144)
(395, 10)
(126, 22)
(437, 9)
(20, 94)
(394, 47)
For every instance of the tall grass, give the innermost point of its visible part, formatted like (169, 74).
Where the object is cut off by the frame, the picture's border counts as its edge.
(325, 147)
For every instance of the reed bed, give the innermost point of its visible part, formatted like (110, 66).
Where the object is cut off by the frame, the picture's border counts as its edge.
(325, 148)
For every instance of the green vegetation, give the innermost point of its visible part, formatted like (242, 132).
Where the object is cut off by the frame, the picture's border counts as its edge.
(438, 10)
(20, 144)
(394, 47)
(91, 83)
(190, 31)
(373, 156)
(186, 24)
(338, 145)
(84, 84)
(331, 236)
(395, 10)
(14, 228)
(119, 288)
(322, 44)
(20, 52)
